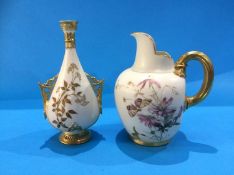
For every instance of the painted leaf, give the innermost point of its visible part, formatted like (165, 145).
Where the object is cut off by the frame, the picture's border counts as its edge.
(54, 99)
(84, 103)
(63, 125)
(72, 111)
(68, 115)
(68, 101)
(76, 85)
(63, 102)
(64, 119)
(65, 83)
(63, 110)
(55, 122)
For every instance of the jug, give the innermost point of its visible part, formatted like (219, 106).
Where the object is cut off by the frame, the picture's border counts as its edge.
(150, 96)
(72, 99)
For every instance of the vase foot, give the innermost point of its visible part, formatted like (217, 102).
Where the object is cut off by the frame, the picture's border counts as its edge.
(140, 142)
(69, 138)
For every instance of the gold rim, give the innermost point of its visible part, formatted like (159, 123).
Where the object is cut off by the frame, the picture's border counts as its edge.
(160, 53)
(75, 139)
(68, 24)
(140, 142)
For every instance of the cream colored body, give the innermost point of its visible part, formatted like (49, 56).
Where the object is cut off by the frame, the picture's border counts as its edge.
(148, 93)
(126, 90)
(86, 115)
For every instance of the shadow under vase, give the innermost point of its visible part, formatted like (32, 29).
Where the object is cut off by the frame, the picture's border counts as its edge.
(56, 146)
(177, 151)
(34, 144)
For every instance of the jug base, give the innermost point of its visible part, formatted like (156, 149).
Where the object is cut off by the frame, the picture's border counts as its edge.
(69, 138)
(140, 142)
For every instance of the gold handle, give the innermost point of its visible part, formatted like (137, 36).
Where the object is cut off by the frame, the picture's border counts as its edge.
(180, 68)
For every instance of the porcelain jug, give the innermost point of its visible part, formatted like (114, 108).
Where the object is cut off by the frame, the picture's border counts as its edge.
(72, 99)
(150, 96)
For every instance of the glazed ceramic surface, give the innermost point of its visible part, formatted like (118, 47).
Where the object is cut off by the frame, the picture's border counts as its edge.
(150, 96)
(71, 102)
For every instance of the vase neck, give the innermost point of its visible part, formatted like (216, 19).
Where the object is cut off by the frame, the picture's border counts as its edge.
(69, 27)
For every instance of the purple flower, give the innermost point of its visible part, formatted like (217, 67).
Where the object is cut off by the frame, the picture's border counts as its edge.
(148, 120)
(163, 109)
(150, 82)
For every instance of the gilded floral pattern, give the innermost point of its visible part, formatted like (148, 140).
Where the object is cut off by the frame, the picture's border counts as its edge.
(67, 92)
(155, 111)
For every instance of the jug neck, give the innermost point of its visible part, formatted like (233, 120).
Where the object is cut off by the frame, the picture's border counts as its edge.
(147, 58)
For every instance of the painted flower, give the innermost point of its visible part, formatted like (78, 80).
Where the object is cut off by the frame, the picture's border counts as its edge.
(151, 82)
(163, 108)
(148, 120)
(72, 67)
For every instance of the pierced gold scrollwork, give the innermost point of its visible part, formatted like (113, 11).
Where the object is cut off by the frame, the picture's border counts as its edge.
(46, 90)
(97, 86)
(48, 86)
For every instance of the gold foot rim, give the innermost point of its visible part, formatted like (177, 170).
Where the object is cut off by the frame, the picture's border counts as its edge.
(150, 144)
(69, 138)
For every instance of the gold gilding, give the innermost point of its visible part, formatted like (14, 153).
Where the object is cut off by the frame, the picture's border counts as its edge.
(97, 86)
(160, 53)
(46, 90)
(69, 138)
(69, 38)
(180, 69)
(69, 27)
(140, 142)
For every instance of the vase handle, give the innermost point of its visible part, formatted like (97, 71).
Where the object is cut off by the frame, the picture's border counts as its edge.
(180, 70)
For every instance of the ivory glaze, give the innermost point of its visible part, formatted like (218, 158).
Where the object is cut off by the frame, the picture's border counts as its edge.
(81, 102)
(149, 96)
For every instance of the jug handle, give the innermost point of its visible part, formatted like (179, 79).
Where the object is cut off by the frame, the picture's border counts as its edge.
(180, 70)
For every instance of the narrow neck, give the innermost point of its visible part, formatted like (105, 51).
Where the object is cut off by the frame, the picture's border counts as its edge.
(70, 52)
(69, 37)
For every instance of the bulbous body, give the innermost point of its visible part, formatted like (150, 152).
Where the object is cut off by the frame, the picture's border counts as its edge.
(73, 105)
(72, 99)
(150, 96)
(150, 105)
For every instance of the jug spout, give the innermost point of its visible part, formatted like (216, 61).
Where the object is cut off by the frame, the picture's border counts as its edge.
(46, 90)
(147, 58)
